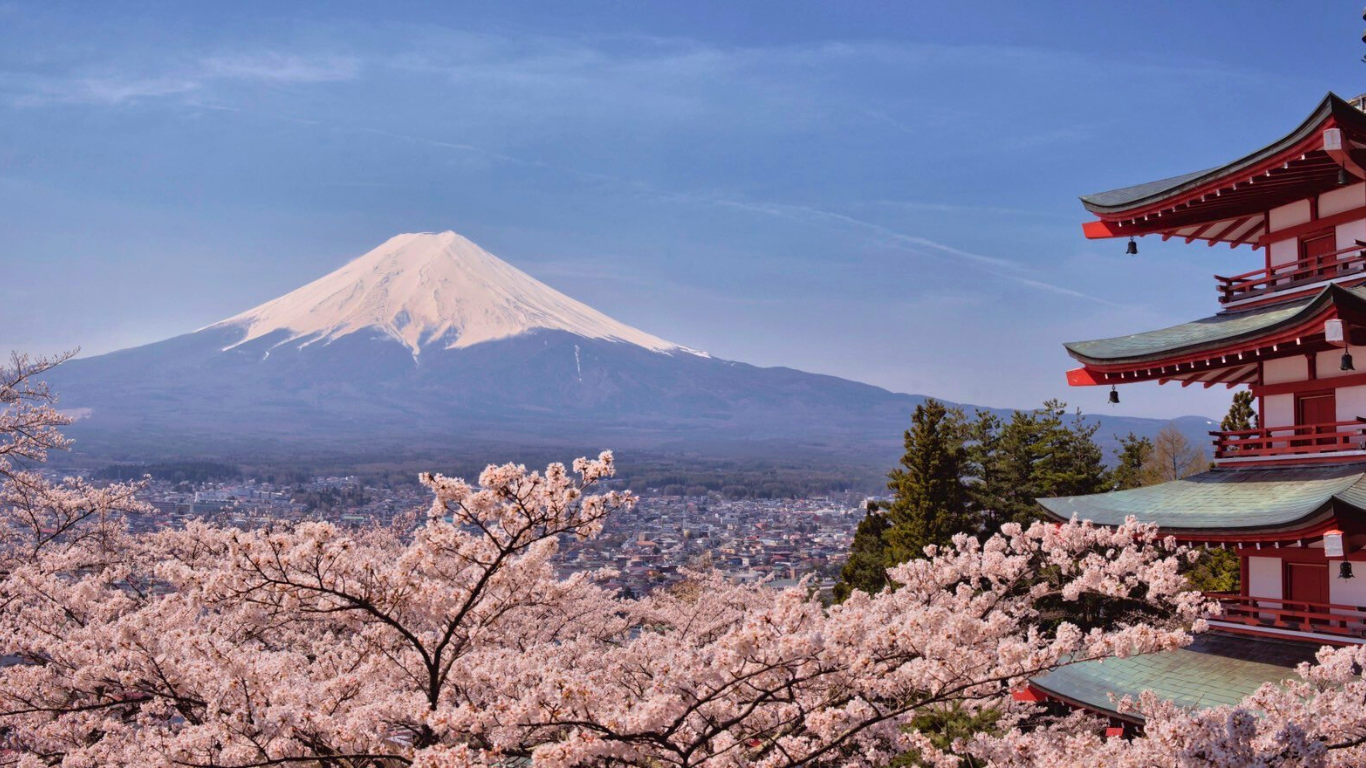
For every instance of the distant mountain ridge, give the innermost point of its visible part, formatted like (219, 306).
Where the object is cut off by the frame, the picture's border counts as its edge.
(429, 343)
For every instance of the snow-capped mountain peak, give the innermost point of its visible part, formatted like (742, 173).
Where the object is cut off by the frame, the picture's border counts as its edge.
(426, 288)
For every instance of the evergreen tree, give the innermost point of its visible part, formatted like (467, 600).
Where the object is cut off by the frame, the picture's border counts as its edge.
(1215, 570)
(1034, 455)
(929, 499)
(866, 568)
(1130, 459)
(990, 484)
(1016, 454)
(1071, 463)
(1241, 414)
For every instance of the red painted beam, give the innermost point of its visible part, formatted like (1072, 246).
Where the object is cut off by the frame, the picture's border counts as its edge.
(1292, 387)
(1099, 230)
(1192, 237)
(1312, 227)
(1082, 377)
(1217, 236)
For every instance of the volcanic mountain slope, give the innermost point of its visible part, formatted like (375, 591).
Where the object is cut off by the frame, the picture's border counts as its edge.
(429, 343)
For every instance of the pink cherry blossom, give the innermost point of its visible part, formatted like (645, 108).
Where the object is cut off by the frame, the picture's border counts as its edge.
(450, 641)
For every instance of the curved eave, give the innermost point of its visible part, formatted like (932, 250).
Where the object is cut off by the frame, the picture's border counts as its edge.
(1231, 504)
(1127, 200)
(1333, 299)
(1322, 519)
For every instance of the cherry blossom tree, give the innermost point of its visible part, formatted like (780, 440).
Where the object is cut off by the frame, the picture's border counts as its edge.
(450, 641)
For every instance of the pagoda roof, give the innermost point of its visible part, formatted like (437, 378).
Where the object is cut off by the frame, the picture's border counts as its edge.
(1215, 332)
(1214, 670)
(1228, 502)
(1228, 203)
(1125, 198)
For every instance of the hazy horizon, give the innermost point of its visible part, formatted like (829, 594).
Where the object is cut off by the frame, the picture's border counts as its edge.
(884, 193)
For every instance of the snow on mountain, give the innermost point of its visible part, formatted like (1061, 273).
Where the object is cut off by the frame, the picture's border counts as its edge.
(423, 289)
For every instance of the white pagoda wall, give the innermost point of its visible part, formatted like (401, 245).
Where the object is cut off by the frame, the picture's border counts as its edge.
(1351, 402)
(1342, 199)
(1330, 203)
(1264, 577)
(1346, 591)
(1279, 410)
(1349, 233)
(1285, 369)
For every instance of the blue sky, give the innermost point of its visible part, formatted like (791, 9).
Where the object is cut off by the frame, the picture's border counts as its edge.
(881, 191)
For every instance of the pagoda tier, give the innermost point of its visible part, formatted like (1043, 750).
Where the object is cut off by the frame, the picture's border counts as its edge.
(1231, 203)
(1228, 348)
(1299, 532)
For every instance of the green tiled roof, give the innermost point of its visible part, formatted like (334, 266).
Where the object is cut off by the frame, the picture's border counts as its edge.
(1215, 669)
(1210, 332)
(1137, 195)
(1224, 500)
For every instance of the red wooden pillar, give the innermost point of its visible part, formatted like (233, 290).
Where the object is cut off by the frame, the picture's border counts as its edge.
(1242, 575)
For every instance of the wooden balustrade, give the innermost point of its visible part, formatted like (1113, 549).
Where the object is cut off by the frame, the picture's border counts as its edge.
(1347, 262)
(1296, 440)
(1297, 615)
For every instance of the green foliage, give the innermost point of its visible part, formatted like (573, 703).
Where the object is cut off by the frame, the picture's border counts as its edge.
(1036, 454)
(929, 500)
(1241, 414)
(866, 568)
(946, 723)
(1134, 453)
(962, 476)
(1215, 570)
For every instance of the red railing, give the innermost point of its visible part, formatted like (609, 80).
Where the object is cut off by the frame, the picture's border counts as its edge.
(1292, 441)
(1282, 277)
(1297, 615)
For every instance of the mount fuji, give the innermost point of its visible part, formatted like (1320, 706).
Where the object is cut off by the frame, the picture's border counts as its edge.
(428, 344)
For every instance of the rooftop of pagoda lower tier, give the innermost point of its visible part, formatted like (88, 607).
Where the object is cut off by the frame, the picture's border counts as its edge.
(1275, 506)
(1214, 670)
(1223, 348)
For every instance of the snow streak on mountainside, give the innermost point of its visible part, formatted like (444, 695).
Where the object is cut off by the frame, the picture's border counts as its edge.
(424, 289)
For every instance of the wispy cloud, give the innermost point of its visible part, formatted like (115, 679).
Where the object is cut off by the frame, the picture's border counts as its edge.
(115, 84)
(95, 89)
(992, 265)
(276, 67)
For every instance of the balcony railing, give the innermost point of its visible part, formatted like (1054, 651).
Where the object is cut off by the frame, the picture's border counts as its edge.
(1347, 262)
(1295, 615)
(1291, 442)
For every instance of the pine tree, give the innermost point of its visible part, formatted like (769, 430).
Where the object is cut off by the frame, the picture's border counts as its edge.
(1071, 464)
(929, 499)
(1130, 459)
(1241, 414)
(1034, 455)
(866, 568)
(989, 476)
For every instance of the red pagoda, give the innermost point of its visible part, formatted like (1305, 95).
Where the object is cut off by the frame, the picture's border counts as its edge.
(1288, 496)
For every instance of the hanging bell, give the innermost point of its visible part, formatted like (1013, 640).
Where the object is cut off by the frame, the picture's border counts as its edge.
(1114, 395)
(1345, 570)
(1343, 177)
(1132, 249)
(1347, 362)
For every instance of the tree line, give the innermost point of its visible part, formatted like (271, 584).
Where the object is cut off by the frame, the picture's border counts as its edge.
(973, 474)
